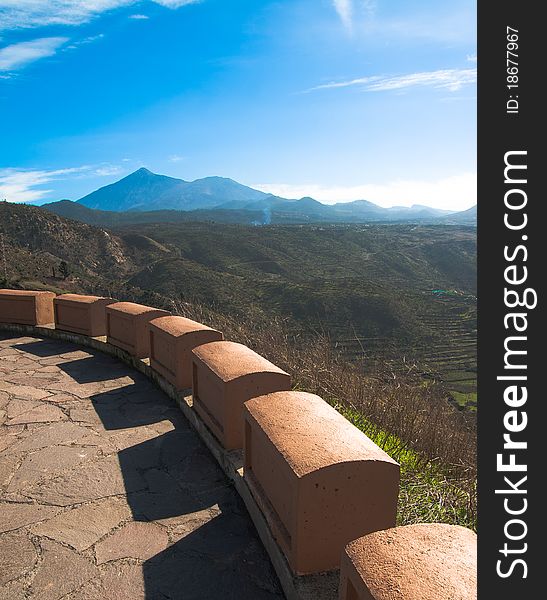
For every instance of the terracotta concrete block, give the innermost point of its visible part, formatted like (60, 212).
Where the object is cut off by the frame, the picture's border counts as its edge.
(26, 308)
(172, 340)
(319, 481)
(81, 314)
(429, 561)
(225, 375)
(127, 326)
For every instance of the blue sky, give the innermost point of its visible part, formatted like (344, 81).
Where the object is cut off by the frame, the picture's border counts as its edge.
(337, 99)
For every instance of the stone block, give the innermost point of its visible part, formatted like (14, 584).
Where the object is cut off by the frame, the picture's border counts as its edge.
(26, 307)
(225, 375)
(81, 314)
(127, 326)
(172, 340)
(428, 561)
(319, 481)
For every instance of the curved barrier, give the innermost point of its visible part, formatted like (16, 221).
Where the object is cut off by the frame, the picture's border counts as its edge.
(310, 480)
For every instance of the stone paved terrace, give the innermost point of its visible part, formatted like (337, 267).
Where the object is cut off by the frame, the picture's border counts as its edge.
(108, 493)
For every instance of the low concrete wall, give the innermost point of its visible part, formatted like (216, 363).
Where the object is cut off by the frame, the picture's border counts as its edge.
(310, 480)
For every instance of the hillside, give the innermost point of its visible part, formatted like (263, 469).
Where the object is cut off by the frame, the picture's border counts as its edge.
(381, 292)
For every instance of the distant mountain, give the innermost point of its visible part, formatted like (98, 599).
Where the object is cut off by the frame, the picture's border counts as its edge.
(145, 197)
(144, 190)
(288, 212)
(465, 217)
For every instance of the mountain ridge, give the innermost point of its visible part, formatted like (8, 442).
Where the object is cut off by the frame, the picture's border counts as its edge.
(145, 191)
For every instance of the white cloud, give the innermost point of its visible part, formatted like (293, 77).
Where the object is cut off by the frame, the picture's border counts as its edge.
(139, 17)
(19, 14)
(18, 185)
(457, 192)
(175, 3)
(174, 158)
(87, 40)
(107, 170)
(448, 79)
(27, 185)
(471, 58)
(17, 56)
(344, 8)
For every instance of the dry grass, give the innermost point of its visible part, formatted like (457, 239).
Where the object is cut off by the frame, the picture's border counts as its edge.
(409, 417)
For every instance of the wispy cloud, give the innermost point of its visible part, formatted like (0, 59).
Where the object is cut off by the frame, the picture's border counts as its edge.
(471, 58)
(84, 41)
(344, 8)
(175, 158)
(18, 185)
(17, 56)
(139, 17)
(457, 192)
(107, 171)
(24, 14)
(28, 185)
(448, 79)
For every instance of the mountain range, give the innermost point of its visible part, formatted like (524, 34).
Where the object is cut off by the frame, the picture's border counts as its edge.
(166, 199)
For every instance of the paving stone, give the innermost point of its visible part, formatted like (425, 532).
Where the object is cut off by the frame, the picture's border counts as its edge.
(49, 462)
(52, 360)
(4, 399)
(162, 426)
(8, 466)
(187, 524)
(44, 413)
(25, 392)
(61, 571)
(76, 354)
(18, 407)
(125, 581)
(33, 380)
(49, 369)
(82, 414)
(17, 555)
(14, 590)
(82, 390)
(81, 527)
(126, 438)
(99, 479)
(92, 590)
(63, 399)
(56, 433)
(134, 540)
(8, 352)
(15, 515)
(11, 432)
